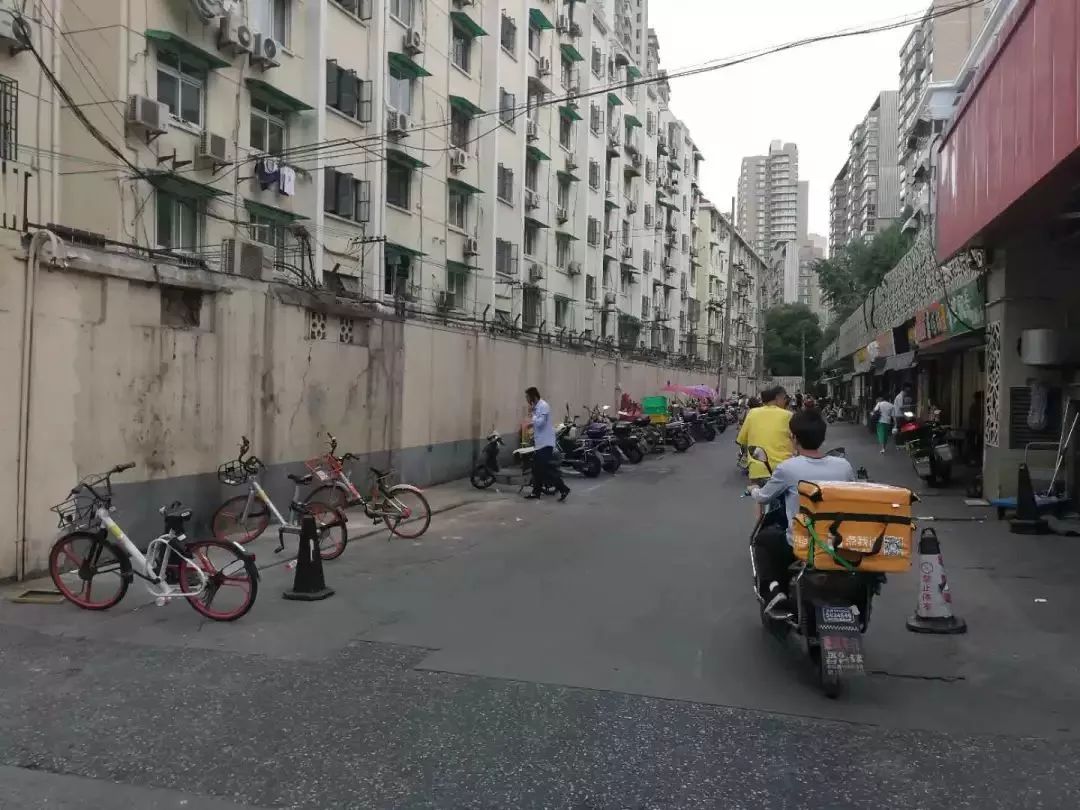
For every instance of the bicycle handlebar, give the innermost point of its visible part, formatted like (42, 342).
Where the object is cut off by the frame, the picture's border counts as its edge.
(245, 445)
(333, 442)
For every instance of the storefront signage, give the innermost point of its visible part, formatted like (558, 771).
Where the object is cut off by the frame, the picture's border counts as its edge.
(963, 313)
(862, 361)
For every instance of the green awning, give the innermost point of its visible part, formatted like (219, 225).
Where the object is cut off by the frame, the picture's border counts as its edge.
(537, 18)
(534, 221)
(276, 95)
(565, 175)
(614, 100)
(535, 153)
(467, 24)
(462, 186)
(633, 72)
(568, 236)
(569, 112)
(189, 49)
(610, 203)
(466, 106)
(406, 66)
(571, 53)
(394, 247)
(181, 186)
(632, 120)
(405, 159)
(459, 267)
(271, 212)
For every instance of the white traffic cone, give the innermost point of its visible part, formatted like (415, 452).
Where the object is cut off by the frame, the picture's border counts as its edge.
(933, 610)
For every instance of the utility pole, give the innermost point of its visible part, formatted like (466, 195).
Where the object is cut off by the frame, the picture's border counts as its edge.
(804, 357)
(725, 346)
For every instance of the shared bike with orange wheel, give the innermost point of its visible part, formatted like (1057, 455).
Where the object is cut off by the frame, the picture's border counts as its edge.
(402, 507)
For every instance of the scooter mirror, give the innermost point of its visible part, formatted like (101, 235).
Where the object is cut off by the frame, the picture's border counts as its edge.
(837, 452)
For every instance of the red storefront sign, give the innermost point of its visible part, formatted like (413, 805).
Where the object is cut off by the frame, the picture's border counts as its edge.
(931, 324)
(1016, 123)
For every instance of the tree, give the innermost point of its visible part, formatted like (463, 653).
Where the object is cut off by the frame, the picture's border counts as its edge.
(785, 326)
(848, 278)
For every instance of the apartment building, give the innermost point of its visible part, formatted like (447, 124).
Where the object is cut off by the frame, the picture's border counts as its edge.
(838, 209)
(809, 291)
(773, 203)
(932, 54)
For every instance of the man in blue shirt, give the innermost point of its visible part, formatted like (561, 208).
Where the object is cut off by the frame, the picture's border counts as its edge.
(544, 469)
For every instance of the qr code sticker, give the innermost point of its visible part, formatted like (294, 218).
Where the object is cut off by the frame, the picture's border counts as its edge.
(892, 547)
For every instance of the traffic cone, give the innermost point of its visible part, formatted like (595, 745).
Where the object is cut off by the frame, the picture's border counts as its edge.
(1027, 519)
(309, 584)
(933, 610)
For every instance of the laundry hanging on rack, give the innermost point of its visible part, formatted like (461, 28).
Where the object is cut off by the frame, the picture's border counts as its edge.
(267, 172)
(287, 181)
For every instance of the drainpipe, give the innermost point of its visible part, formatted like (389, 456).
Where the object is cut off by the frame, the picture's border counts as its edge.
(22, 461)
(54, 145)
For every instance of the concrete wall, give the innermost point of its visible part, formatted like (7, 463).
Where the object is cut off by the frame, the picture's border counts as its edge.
(114, 379)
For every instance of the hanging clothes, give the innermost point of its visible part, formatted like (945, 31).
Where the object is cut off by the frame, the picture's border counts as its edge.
(287, 181)
(267, 172)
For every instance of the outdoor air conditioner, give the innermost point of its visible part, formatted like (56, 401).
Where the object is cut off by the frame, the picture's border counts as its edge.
(413, 42)
(14, 28)
(211, 151)
(573, 269)
(472, 246)
(233, 36)
(561, 214)
(609, 299)
(544, 66)
(397, 124)
(1049, 347)
(444, 300)
(241, 257)
(536, 272)
(532, 199)
(571, 161)
(628, 252)
(265, 51)
(532, 130)
(147, 114)
(562, 25)
(459, 159)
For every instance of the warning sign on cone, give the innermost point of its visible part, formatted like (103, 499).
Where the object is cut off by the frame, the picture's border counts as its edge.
(933, 610)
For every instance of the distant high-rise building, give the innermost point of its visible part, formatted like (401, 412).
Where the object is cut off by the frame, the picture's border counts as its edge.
(772, 202)
(809, 291)
(838, 210)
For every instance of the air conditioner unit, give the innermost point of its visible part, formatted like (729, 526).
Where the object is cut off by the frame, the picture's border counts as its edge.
(631, 207)
(472, 246)
(241, 257)
(544, 66)
(536, 272)
(233, 36)
(444, 300)
(609, 299)
(532, 199)
(212, 150)
(561, 214)
(628, 252)
(635, 160)
(413, 42)
(532, 129)
(147, 114)
(397, 124)
(459, 159)
(573, 269)
(562, 25)
(265, 51)
(575, 29)
(571, 161)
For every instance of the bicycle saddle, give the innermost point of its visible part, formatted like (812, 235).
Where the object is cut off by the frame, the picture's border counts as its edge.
(301, 479)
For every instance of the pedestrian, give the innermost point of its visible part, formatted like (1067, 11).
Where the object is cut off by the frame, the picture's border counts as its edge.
(544, 470)
(883, 413)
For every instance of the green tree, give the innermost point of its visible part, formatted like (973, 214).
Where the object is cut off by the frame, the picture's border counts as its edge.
(848, 277)
(785, 326)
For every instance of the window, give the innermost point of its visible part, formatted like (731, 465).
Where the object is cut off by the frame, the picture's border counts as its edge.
(268, 231)
(505, 186)
(179, 221)
(272, 18)
(532, 239)
(597, 61)
(534, 38)
(566, 132)
(461, 49)
(648, 215)
(9, 118)
(594, 231)
(562, 250)
(458, 209)
(399, 90)
(564, 193)
(398, 182)
(566, 72)
(596, 120)
(460, 124)
(650, 123)
(358, 8)
(507, 102)
(530, 307)
(594, 174)
(346, 93)
(590, 288)
(508, 34)
(180, 84)
(457, 283)
(506, 257)
(268, 127)
(532, 173)
(346, 196)
(402, 10)
(562, 312)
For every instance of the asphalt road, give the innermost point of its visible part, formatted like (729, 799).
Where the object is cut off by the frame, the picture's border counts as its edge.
(602, 653)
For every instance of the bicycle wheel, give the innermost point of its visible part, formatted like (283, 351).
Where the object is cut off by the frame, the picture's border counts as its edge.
(232, 579)
(230, 526)
(333, 531)
(89, 570)
(412, 515)
(332, 496)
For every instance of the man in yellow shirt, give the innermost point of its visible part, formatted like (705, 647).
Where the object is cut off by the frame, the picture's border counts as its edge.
(767, 427)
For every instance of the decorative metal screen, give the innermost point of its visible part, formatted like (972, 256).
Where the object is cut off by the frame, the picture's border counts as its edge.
(992, 431)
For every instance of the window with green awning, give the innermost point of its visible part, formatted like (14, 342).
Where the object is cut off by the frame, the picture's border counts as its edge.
(539, 19)
(405, 66)
(189, 49)
(467, 24)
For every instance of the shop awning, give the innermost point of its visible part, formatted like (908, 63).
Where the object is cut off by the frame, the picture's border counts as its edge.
(405, 159)
(185, 48)
(571, 53)
(406, 66)
(462, 186)
(466, 106)
(567, 111)
(633, 72)
(536, 153)
(900, 362)
(467, 24)
(539, 19)
(181, 186)
(271, 212)
(276, 95)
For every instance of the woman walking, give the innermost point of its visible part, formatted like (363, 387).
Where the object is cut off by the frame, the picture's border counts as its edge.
(883, 411)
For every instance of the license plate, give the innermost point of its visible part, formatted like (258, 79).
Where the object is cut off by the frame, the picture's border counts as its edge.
(840, 640)
(944, 452)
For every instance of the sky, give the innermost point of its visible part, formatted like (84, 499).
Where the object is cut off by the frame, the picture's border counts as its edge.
(814, 95)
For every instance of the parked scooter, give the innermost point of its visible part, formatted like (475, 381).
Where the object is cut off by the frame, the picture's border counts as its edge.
(627, 437)
(599, 433)
(677, 434)
(488, 469)
(699, 428)
(716, 416)
(575, 451)
(930, 452)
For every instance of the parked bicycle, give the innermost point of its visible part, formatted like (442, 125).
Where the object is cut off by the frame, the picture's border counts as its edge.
(402, 507)
(93, 570)
(243, 518)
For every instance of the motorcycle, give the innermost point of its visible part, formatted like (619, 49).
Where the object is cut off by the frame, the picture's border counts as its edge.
(699, 428)
(716, 416)
(627, 437)
(830, 609)
(487, 470)
(574, 451)
(930, 452)
(677, 434)
(906, 426)
(599, 433)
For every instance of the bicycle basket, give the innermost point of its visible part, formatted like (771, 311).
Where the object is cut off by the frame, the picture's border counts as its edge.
(325, 467)
(76, 510)
(233, 473)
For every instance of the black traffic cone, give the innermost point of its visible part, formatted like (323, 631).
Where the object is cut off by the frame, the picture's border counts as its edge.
(1027, 519)
(309, 585)
(933, 608)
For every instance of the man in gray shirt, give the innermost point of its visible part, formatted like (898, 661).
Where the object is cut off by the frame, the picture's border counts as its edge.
(772, 544)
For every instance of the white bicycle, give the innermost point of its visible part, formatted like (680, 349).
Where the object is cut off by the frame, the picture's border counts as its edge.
(93, 561)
